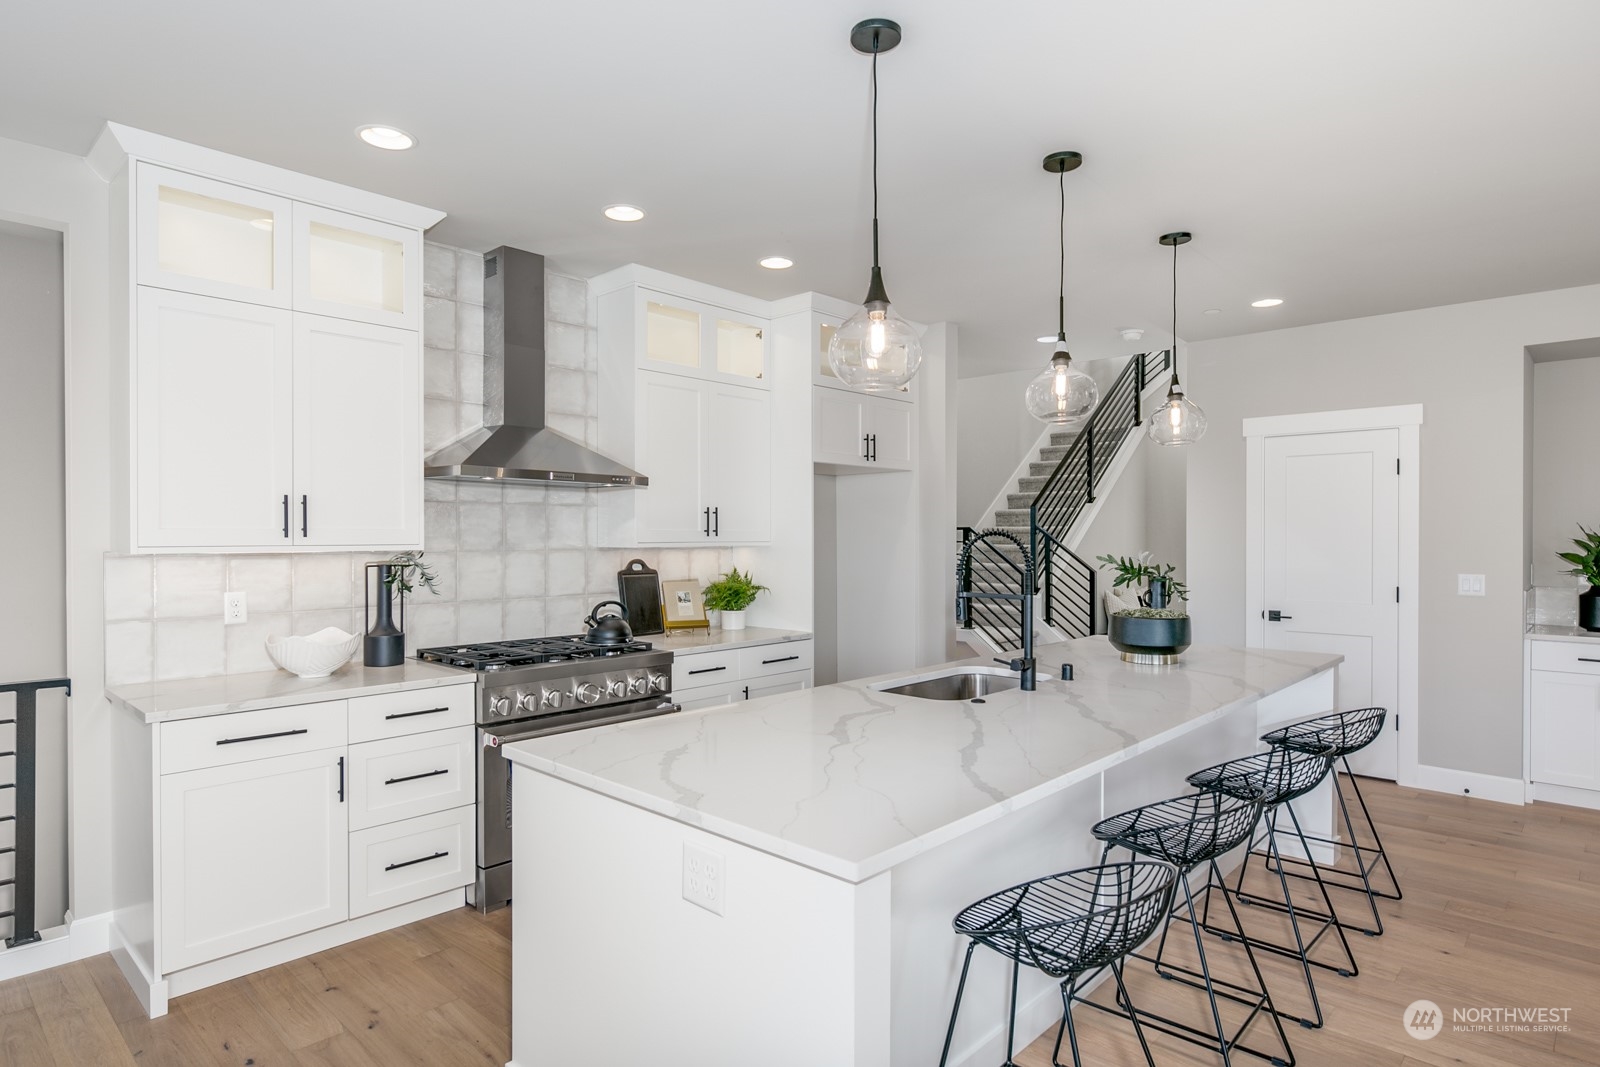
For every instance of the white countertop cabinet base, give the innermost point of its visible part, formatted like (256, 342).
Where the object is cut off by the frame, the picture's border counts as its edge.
(1563, 696)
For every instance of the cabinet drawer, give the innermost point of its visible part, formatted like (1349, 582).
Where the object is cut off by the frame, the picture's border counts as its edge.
(762, 660)
(412, 712)
(251, 735)
(1566, 656)
(401, 777)
(409, 860)
(704, 668)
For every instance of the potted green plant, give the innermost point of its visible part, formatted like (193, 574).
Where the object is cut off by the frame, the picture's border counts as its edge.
(1586, 565)
(731, 595)
(1155, 631)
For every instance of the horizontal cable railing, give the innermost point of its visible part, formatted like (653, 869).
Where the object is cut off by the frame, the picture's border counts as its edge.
(23, 785)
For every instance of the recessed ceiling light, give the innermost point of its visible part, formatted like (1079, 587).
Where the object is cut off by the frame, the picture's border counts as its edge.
(624, 213)
(1048, 338)
(1269, 302)
(389, 137)
(777, 263)
(1212, 311)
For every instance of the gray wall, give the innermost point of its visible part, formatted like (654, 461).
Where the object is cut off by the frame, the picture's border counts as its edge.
(1465, 364)
(33, 627)
(1565, 479)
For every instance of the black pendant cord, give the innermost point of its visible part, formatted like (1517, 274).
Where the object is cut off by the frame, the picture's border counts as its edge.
(1174, 389)
(1061, 291)
(875, 152)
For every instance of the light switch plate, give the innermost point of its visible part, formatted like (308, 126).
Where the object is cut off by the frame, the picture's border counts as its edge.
(1469, 585)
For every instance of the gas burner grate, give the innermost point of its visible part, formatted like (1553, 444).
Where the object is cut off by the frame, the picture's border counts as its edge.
(504, 655)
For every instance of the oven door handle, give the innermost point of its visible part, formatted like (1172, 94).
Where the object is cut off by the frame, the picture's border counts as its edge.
(545, 726)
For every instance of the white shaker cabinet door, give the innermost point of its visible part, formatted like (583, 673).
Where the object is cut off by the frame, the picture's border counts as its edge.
(212, 422)
(1566, 729)
(251, 853)
(357, 435)
(892, 425)
(739, 443)
(671, 451)
(210, 238)
(838, 428)
(355, 268)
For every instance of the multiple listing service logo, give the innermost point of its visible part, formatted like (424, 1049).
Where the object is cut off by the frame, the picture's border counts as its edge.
(1423, 1020)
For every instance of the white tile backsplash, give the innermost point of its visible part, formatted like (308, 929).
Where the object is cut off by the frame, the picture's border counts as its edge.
(513, 561)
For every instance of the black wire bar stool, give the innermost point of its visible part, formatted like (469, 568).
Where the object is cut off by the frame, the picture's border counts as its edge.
(1072, 926)
(1191, 832)
(1277, 777)
(1345, 732)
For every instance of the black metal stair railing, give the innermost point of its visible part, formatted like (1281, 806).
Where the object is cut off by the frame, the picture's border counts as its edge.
(23, 849)
(1067, 599)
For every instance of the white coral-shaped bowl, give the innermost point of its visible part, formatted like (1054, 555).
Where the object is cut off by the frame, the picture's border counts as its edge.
(315, 655)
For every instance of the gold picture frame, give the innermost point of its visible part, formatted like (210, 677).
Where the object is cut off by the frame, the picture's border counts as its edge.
(683, 606)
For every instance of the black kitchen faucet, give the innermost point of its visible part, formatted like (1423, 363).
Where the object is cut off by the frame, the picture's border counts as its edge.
(1026, 665)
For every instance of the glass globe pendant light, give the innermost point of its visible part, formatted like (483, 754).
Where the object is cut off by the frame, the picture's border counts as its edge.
(1062, 395)
(875, 350)
(1179, 420)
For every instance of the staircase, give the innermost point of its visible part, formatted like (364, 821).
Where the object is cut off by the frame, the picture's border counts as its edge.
(1053, 495)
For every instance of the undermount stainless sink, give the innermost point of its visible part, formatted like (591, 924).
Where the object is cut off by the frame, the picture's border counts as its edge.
(965, 684)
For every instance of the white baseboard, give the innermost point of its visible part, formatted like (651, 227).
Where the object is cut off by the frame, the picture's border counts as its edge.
(1563, 794)
(139, 974)
(78, 939)
(1470, 783)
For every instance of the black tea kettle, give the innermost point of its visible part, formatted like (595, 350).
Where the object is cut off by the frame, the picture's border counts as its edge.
(608, 629)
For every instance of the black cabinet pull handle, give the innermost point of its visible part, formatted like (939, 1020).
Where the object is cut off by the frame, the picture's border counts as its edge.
(706, 512)
(716, 522)
(874, 448)
(409, 714)
(780, 659)
(1586, 659)
(866, 446)
(286, 515)
(747, 692)
(414, 777)
(708, 670)
(341, 779)
(305, 518)
(419, 859)
(260, 737)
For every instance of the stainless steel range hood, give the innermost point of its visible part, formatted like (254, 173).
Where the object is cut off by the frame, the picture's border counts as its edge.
(514, 444)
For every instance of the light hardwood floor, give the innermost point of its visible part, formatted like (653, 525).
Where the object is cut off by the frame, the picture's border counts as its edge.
(1502, 908)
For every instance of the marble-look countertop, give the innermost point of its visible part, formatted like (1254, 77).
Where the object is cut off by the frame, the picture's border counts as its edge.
(193, 698)
(851, 781)
(688, 642)
(1550, 632)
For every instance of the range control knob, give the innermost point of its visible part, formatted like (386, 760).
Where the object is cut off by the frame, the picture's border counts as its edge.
(638, 683)
(659, 681)
(527, 703)
(499, 705)
(617, 687)
(553, 698)
(588, 693)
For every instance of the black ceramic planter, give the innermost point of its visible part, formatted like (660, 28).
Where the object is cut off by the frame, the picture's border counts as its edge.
(1149, 640)
(1589, 608)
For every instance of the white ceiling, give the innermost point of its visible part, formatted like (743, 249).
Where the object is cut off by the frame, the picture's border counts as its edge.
(1352, 158)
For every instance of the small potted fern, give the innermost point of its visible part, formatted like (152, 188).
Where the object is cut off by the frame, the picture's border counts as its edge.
(1155, 631)
(731, 595)
(1585, 564)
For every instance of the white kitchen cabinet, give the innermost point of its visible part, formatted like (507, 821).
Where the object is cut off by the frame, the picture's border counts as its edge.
(213, 402)
(351, 267)
(857, 433)
(211, 238)
(707, 449)
(251, 853)
(683, 336)
(357, 435)
(793, 682)
(743, 672)
(1565, 729)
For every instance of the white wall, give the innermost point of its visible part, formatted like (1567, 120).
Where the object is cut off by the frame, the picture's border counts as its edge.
(33, 632)
(1465, 365)
(996, 432)
(1565, 479)
(825, 498)
(58, 191)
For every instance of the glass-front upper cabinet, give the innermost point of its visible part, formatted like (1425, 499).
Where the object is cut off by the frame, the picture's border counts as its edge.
(208, 237)
(354, 268)
(687, 337)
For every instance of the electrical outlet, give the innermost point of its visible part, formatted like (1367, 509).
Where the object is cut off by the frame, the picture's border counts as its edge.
(702, 879)
(233, 609)
(1469, 585)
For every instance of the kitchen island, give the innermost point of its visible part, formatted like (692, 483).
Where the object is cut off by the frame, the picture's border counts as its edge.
(827, 837)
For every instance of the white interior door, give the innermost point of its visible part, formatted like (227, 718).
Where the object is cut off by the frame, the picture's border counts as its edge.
(1330, 566)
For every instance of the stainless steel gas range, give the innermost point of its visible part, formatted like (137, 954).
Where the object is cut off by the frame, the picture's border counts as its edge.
(534, 688)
